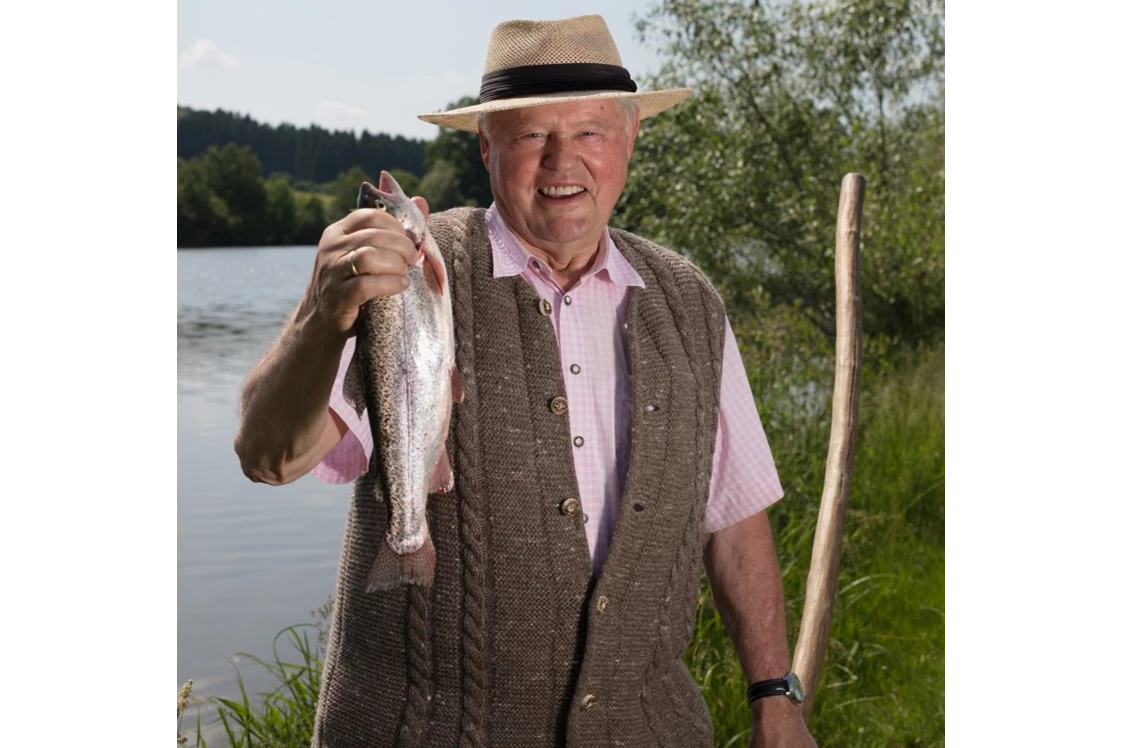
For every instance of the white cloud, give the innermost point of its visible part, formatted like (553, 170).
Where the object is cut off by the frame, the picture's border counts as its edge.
(204, 50)
(337, 115)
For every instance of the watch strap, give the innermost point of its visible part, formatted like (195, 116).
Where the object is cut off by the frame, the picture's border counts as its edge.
(773, 687)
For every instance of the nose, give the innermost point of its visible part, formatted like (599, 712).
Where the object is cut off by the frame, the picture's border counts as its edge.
(560, 154)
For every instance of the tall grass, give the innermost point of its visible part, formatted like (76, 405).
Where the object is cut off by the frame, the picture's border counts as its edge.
(883, 680)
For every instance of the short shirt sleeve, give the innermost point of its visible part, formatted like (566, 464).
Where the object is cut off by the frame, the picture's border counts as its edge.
(744, 480)
(349, 458)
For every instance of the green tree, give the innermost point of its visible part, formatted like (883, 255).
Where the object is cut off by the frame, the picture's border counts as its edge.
(441, 187)
(346, 191)
(407, 180)
(234, 175)
(280, 210)
(744, 176)
(311, 219)
(461, 151)
(202, 218)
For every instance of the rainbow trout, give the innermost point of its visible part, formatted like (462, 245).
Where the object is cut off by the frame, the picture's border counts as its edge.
(404, 368)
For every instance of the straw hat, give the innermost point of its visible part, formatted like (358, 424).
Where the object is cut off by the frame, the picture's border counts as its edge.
(530, 63)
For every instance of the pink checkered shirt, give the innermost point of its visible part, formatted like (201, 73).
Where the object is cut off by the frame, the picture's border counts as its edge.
(590, 323)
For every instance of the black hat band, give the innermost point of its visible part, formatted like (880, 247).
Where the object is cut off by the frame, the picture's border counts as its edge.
(533, 80)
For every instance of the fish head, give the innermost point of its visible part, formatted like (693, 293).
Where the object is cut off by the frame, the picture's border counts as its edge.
(388, 196)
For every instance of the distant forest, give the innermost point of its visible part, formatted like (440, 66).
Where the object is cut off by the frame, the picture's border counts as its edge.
(243, 183)
(310, 154)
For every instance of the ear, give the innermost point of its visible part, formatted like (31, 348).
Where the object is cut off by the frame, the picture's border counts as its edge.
(633, 131)
(485, 148)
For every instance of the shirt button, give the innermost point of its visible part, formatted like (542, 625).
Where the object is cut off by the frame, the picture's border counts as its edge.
(568, 299)
(578, 441)
(545, 307)
(569, 507)
(602, 603)
(588, 702)
(584, 518)
(537, 265)
(575, 368)
(558, 406)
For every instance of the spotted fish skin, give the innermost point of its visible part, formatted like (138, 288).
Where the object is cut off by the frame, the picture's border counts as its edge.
(404, 369)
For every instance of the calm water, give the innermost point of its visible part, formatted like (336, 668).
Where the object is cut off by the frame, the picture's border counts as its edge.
(253, 559)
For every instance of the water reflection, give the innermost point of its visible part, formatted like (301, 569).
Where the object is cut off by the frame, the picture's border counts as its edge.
(253, 559)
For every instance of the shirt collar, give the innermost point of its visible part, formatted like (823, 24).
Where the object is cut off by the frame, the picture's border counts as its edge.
(509, 256)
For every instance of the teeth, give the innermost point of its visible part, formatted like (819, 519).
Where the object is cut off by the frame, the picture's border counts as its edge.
(561, 191)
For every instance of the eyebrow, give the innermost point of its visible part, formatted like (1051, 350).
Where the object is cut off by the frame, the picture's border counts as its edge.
(531, 123)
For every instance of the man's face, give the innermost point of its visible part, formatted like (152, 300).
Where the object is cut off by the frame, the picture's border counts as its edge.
(532, 153)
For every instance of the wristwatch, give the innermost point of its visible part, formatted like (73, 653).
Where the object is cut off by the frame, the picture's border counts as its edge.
(788, 686)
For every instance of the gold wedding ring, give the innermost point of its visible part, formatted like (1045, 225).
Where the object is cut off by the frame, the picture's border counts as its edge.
(351, 262)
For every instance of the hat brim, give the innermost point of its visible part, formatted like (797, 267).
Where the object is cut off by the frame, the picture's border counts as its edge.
(650, 104)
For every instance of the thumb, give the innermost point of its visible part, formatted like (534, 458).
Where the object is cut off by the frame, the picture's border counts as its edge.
(422, 203)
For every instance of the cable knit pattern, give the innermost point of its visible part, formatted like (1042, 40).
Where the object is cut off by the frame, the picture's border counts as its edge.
(518, 644)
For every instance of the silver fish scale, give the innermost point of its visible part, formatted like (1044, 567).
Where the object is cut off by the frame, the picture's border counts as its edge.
(405, 344)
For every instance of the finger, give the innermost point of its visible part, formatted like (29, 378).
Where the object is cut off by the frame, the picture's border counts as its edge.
(360, 218)
(398, 242)
(358, 291)
(376, 261)
(422, 203)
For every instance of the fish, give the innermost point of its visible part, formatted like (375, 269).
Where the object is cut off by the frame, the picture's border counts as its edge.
(404, 368)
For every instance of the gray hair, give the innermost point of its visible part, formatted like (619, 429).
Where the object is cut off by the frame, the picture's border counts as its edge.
(629, 108)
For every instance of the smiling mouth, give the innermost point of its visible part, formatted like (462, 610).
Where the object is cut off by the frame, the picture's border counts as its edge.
(561, 193)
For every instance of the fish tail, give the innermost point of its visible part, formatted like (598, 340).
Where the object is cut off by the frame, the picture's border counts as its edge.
(392, 569)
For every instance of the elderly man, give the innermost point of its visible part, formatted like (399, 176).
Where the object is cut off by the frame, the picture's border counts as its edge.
(606, 445)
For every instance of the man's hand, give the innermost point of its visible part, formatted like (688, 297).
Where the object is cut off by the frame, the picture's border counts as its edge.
(744, 577)
(286, 426)
(778, 723)
(381, 251)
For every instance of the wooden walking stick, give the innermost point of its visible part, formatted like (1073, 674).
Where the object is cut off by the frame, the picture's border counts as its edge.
(822, 577)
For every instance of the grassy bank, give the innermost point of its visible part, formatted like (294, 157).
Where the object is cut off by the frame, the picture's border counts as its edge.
(883, 682)
(883, 679)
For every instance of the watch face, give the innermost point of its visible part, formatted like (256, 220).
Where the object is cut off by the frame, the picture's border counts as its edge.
(795, 688)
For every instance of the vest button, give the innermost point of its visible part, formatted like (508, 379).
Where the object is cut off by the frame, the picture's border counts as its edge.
(558, 406)
(602, 603)
(545, 307)
(588, 702)
(570, 507)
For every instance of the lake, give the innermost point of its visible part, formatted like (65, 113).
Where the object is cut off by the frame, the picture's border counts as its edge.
(253, 559)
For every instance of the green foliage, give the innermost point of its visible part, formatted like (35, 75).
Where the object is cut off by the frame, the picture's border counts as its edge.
(280, 211)
(407, 180)
(308, 153)
(441, 187)
(882, 681)
(461, 151)
(283, 717)
(744, 177)
(222, 201)
(311, 219)
(345, 194)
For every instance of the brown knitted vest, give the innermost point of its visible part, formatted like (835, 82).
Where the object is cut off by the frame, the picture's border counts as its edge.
(518, 644)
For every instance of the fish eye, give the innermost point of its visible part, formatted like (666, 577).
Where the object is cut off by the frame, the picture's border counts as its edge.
(380, 205)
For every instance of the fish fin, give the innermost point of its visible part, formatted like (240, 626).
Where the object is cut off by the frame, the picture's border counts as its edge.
(353, 385)
(441, 481)
(391, 569)
(434, 275)
(457, 385)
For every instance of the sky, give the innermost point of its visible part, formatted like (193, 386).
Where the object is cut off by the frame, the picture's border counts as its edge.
(354, 66)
